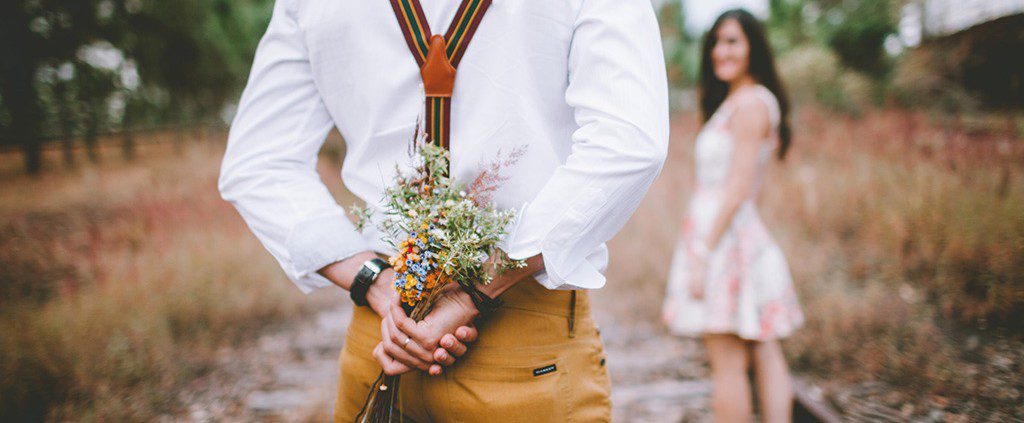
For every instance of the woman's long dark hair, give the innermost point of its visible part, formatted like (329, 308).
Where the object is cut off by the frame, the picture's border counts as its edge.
(762, 68)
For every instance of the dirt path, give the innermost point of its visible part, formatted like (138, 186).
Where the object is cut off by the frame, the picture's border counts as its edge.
(290, 373)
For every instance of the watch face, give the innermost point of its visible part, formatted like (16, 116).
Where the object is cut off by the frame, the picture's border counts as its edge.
(374, 265)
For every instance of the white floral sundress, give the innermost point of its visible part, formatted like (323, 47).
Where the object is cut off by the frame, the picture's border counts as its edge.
(749, 291)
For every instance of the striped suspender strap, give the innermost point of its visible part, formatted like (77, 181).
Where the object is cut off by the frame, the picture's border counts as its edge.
(438, 57)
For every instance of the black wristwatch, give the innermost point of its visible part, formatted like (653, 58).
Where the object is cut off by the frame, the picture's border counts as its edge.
(484, 304)
(366, 276)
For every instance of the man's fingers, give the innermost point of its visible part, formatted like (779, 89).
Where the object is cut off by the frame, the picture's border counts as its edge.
(402, 356)
(443, 357)
(388, 364)
(420, 333)
(453, 345)
(398, 338)
(398, 353)
(435, 370)
(409, 327)
(466, 333)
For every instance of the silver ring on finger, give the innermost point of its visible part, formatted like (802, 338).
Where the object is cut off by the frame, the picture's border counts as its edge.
(406, 342)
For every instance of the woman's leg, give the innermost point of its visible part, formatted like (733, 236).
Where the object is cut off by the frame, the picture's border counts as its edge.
(730, 398)
(774, 387)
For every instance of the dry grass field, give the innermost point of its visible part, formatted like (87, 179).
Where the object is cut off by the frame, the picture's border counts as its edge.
(121, 282)
(905, 234)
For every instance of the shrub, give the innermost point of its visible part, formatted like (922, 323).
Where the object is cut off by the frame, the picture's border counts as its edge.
(814, 74)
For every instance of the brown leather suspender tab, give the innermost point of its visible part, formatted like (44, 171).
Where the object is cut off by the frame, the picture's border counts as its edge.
(438, 57)
(438, 73)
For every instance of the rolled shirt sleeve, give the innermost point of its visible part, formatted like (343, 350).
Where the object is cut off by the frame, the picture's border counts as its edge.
(269, 168)
(618, 89)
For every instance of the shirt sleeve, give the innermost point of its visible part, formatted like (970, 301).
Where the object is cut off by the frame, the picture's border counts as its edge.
(269, 168)
(618, 88)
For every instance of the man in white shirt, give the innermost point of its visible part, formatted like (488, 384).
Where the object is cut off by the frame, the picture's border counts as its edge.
(580, 83)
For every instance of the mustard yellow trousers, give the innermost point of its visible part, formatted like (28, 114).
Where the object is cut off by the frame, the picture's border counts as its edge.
(538, 359)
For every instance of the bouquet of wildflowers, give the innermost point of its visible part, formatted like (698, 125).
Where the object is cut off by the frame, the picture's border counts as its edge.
(443, 232)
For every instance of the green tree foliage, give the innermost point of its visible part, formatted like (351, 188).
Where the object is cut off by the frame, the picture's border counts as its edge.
(199, 50)
(856, 30)
(190, 58)
(682, 50)
(787, 25)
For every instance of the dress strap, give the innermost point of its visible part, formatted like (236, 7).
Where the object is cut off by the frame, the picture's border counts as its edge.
(774, 112)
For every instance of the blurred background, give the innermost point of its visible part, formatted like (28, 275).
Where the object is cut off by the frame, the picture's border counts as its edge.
(130, 291)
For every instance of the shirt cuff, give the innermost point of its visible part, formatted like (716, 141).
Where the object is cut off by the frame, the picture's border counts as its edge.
(564, 268)
(318, 242)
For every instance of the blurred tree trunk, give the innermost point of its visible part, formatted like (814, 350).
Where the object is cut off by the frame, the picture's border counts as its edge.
(26, 129)
(181, 121)
(18, 64)
(66, 123)
(127, 136)
(92, 128)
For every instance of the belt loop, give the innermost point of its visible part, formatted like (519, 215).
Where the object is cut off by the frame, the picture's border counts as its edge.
(572, 314)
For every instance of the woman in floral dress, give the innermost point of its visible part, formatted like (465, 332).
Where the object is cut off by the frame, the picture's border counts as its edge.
(729, 283)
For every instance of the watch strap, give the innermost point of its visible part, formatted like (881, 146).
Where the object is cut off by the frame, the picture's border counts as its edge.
(485, 305)
(367, 274)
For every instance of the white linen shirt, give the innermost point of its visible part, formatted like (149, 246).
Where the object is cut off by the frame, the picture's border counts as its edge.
(580, 83)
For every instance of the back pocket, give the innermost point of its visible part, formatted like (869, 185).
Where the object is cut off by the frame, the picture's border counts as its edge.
(519, 389)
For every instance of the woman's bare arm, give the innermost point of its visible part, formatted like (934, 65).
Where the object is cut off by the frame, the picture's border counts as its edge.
(749, 127)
